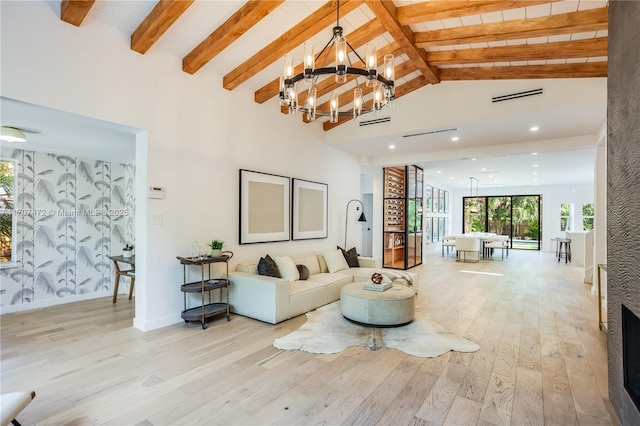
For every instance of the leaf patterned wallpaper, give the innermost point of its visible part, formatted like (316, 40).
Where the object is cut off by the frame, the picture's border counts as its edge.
(72, 214)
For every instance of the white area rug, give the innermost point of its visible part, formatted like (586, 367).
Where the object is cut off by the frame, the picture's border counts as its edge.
(327, 332)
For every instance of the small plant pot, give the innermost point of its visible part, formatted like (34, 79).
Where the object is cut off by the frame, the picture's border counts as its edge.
(127, 253)
(216, 252)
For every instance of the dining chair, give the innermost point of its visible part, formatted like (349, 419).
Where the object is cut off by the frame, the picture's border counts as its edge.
(465, 245)
(498, 242)
(448, 241)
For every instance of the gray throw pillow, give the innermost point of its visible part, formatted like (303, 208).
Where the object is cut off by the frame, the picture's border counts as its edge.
(351, 256)
(267, 266)
(304, 272)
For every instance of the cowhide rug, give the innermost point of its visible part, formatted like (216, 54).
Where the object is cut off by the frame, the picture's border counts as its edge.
(327, 332)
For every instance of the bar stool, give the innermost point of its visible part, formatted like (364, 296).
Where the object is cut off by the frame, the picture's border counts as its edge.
(566, 244)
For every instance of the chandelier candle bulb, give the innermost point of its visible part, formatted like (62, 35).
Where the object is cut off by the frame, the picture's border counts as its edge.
(311, 107)
(309, 61)
(372, 64)
(377, 98)
(357, 103)
(341, 60)
(293, 98)
(288, 67)
(389, 72)
(334, 107)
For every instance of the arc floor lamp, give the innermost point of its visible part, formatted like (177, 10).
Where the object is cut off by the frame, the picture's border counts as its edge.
(362, 218)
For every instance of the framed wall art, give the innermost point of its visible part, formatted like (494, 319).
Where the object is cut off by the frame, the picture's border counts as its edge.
(427, 229)
(265, 211)
(440, 201)
(428, 198)
(446, 201)
(310, 210)
(435, 199)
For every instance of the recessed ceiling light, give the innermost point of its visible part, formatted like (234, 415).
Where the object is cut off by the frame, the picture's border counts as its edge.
(535, 173)
(483, 169)
(535, 179)
(534, 153)
(455, 138)
(461, 183)
(534, 165)
(473, 159)
(534, 128)
(439, 171)
(450, 178)
(392, 147)
(490, 176)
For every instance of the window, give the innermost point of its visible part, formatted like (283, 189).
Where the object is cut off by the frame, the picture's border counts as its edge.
(565, 217)
(587, 216)
(7, 216)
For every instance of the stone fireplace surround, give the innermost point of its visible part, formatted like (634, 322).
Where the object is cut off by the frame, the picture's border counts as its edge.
(623, 192)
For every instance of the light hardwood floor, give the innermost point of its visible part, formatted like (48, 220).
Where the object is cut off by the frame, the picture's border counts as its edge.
(542, 360)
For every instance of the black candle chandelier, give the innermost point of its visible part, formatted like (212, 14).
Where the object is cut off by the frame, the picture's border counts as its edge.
(382, 84)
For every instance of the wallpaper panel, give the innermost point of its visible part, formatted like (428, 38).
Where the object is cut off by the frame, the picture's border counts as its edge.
(72, 214)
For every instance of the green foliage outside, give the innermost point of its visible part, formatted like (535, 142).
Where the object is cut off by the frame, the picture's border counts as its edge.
(6, 204)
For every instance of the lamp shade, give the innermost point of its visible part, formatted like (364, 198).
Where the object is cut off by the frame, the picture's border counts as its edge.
(362, 218)
(11, 134)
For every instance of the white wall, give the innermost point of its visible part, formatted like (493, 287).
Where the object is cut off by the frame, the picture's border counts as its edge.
(197, 137)
(552, 197)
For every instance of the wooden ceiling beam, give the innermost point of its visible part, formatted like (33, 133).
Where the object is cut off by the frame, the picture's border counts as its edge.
(586, 20)
(435, 10)
(239, 23)
(74, 11)
(385, 10)
(583, 70)
(161, 17)
(303, 31)
(405, 89)
(525, 52)
(357, 38)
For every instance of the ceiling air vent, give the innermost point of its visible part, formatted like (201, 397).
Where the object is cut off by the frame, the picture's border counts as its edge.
(516, 95)
(375, 121)
(430, 132)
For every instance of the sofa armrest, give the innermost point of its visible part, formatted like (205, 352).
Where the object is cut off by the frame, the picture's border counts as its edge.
(368, 262)
(260, 297)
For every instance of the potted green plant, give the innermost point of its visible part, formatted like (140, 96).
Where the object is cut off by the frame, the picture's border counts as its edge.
(127, 251)
(216, 248)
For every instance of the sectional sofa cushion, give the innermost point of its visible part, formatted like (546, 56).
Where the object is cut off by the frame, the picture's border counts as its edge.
(267, 266)
(303, 271)
(351, 256)
(335, 261)
(288, 269)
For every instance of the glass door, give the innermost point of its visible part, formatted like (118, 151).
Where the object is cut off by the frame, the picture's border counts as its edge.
(517, 216)
(526, 222)
(474, 214)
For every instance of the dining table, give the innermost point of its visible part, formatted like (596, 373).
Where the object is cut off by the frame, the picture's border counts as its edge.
(482, 236)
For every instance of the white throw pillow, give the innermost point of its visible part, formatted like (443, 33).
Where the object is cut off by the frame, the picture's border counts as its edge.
(335, 260)
(288, 269)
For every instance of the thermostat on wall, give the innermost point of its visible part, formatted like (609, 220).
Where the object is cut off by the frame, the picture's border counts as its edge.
(156, 192)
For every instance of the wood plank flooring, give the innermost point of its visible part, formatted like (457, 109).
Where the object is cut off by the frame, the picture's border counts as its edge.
(542, 360)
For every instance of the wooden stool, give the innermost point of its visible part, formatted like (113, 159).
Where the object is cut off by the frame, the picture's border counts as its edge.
(566, 243)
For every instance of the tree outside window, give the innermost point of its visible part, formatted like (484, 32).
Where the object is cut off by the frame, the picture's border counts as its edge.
(7, 227)
(587, 216)
(565, 217)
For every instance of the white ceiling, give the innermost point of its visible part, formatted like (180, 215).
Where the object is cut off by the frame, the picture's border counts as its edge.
(65, 132)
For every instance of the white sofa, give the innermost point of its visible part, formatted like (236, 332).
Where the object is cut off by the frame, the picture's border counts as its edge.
(274, 300)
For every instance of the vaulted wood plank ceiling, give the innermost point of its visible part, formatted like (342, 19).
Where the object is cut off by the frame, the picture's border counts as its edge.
(433, 41)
